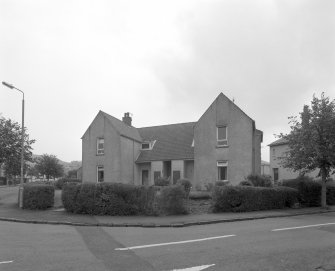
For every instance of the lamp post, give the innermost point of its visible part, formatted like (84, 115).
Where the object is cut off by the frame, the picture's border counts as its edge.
(20, 200)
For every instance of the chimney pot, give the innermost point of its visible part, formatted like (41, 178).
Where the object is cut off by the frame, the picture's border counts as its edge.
(127, 119)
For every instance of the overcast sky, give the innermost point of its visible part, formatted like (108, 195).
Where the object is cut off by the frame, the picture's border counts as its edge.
(163, 61)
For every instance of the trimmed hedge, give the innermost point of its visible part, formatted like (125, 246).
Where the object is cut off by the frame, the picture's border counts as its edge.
(310, 191)
(60, 182)
(260, 180)
(109, 199)
(249, 198)
(3, 181)
(171, 200)
(38, 196)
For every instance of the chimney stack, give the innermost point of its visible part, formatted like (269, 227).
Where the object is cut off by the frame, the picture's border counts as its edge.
(127, 119)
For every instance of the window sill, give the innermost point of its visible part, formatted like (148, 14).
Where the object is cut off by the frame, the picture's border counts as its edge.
(222, 146)
(100, 154)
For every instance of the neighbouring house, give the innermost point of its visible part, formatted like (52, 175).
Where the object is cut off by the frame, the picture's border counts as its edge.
(223, 144)
(265, 168)
(278, 149)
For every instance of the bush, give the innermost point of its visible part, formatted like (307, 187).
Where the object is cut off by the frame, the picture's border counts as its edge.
(221, 183)
(171, 200)
(60, 182)
(38, 196)
(162, 181)
(108, 199)
(310, 191)
(3, 180)
(260, 180)
(248, 198)
(245, 183)
(187, 185)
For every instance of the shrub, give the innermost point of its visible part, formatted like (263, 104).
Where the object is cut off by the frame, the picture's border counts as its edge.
(248, 198)
(171, 200)
(187, 185)
(3, 180)
(310, 191)
(60, 182)
(108, 199)
(221, 183)
(246, 183)
(260, 180)
(38, 196)
(331, 195)
(162, 181)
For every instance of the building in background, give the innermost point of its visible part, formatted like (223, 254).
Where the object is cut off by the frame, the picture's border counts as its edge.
(278, 172)
(223, 144)
(265, 168)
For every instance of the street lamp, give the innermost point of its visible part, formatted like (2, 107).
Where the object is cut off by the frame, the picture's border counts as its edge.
(22, 143)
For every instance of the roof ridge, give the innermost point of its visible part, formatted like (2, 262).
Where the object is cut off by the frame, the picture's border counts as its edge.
(191, 122)
(108, 115)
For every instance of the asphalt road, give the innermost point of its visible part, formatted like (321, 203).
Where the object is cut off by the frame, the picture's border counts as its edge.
(294, 243)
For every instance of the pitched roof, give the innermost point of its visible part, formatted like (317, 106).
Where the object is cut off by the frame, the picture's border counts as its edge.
(173, 142)
(280, 141)
(122, 128)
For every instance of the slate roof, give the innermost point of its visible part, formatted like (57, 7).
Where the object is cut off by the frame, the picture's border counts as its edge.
(278, 142)
(123, 129)
(173, 142)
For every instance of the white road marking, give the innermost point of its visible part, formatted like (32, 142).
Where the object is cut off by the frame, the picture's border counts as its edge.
(175, 243)
(302, 227)
(195, 268)
(6, 262)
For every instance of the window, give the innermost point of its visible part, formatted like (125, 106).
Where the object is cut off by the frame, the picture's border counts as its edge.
(274, 152)
(148, 145)
(100, 174)
(222, 170)
(145, 146)
(100, 146)
(275, 174)
(222, 135)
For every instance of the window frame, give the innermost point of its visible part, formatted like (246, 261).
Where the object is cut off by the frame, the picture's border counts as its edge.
(99, 170)
(223, 141)
(100, 151)
(150, 143)
(222, 164)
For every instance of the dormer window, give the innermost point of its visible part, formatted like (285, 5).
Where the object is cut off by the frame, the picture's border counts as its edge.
(145, 146)
(100, 146)
(222, 136)
(148, 145)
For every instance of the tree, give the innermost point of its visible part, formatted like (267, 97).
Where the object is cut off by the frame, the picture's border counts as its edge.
(311, 141)
(10, 147)
(49, 166)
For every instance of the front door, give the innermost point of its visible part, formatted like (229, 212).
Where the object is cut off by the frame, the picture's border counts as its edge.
(145, 177)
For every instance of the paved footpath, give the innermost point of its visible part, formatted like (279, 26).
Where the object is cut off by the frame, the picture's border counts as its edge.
(10, 212)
